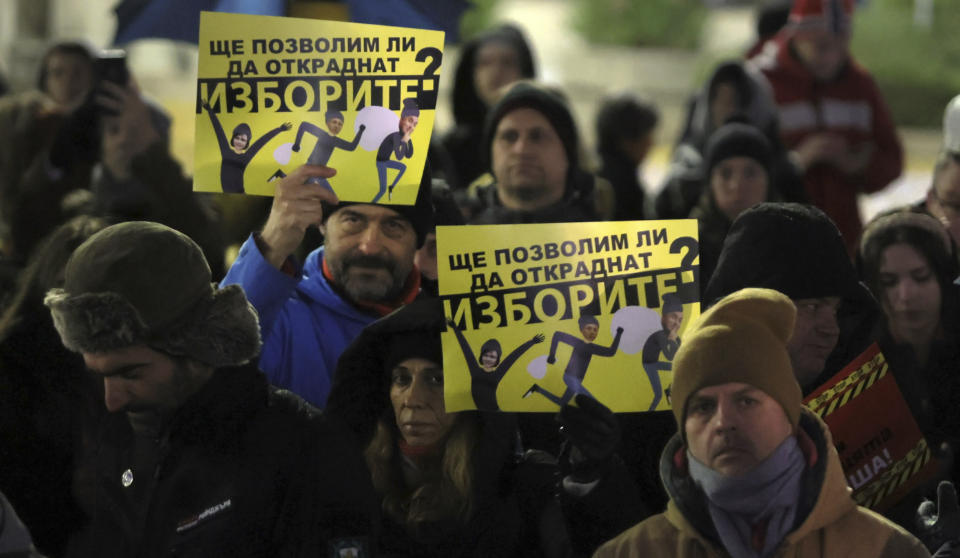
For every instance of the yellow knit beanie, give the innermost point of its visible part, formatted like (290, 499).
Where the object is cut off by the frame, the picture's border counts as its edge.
(743, 338)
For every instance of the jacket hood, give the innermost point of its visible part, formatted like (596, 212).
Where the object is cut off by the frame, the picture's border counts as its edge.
(360, 394)
(826, 495)
(797, 250)
(778, 53)
(758, 109)
(468, 109)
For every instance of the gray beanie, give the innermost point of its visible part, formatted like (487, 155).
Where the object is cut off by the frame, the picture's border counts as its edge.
(144, 283)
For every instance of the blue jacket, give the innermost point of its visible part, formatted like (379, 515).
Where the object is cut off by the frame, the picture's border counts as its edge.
(305, 324)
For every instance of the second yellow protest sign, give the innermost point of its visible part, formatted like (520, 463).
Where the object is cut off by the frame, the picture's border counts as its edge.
(274, 93)
(539, 313)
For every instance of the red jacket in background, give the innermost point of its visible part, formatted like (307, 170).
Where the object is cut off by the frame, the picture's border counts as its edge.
(850, 105)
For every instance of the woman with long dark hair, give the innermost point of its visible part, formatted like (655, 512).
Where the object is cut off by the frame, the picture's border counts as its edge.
(49, 403)
(908, 261)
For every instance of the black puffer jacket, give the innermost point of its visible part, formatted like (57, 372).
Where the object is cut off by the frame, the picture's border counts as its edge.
(516, 509)
(244, 469)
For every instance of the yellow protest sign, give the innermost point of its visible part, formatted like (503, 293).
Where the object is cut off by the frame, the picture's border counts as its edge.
(539, 313)
(274, 93)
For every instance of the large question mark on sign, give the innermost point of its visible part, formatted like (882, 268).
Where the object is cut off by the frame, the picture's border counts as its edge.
(689, 291)
(429, 82)
(435, 57)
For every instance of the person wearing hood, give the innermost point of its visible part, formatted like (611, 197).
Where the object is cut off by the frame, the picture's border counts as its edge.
(531, 143)
(365, 269)
(833, 117)
(735, 91)
(751, 472)
(796, 250)
(738, 177)
(459, 484)
(488, 63)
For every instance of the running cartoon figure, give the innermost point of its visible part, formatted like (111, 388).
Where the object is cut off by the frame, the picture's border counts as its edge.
(576, 369)
(487, 371)
(326, 142)
(399, 144)
(662, 345)
(238, 152)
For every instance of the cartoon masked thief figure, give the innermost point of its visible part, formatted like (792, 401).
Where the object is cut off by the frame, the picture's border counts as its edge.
(662, 345)
(398, 144)
(326, 142)
(583, 351)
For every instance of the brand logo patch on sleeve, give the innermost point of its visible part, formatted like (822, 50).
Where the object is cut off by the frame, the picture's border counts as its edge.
(207, 514)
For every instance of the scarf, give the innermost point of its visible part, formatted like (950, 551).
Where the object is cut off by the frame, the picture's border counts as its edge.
(755, 511)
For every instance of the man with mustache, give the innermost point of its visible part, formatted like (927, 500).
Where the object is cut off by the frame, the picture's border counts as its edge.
(751, 472)
(309, 313)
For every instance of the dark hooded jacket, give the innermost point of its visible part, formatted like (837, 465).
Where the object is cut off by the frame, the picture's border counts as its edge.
(516, 512)
(242, 469)
(685, 178)
(464, 142)
(797, 250)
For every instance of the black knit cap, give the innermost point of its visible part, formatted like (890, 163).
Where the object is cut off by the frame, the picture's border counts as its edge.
(529, 95)
(737, 140)
(420, 214)
(788, 247)
(412, 344)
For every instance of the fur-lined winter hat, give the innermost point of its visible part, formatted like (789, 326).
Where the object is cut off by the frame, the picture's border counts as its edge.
(145, 283)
